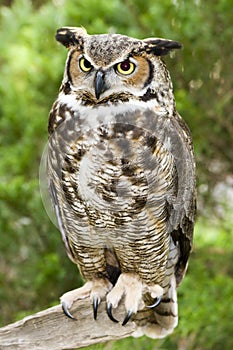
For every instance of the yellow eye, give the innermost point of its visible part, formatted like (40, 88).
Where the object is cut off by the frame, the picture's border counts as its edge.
(85, 65)
(126, 67)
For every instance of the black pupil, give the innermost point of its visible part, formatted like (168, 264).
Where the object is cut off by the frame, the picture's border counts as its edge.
(87, 64)
(125, 65)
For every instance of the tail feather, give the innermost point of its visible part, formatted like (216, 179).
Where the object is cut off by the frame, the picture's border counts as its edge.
(162, 320)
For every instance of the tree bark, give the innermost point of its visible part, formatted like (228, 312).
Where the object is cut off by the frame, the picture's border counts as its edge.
(51, 329)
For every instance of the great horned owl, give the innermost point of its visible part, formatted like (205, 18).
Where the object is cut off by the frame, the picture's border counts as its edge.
(122, 176)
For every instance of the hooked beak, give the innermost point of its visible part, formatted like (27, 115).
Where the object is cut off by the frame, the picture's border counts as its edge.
(100, 85)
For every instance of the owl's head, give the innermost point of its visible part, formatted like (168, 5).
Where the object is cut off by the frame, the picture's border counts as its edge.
(114, 67)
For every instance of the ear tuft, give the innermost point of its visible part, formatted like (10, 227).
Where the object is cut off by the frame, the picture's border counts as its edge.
(161, 47)
(70, 36)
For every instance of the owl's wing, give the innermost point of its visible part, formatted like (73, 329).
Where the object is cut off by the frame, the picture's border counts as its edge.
(183, 211)
(60, 220)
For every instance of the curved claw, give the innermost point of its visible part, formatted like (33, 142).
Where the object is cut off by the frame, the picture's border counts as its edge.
(156, 303)
(109, 312)
(96, 303)
(66, 311)
(127, 318)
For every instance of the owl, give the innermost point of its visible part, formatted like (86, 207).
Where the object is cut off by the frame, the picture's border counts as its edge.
(121, 175)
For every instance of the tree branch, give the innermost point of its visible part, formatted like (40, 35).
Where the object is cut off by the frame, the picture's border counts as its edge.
(51, 329)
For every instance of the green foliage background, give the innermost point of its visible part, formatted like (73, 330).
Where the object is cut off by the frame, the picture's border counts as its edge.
(34, 269)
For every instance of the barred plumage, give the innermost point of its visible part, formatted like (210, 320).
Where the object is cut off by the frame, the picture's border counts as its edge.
(121, 175)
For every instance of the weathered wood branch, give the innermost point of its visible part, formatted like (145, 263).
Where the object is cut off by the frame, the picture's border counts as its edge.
(51, 329)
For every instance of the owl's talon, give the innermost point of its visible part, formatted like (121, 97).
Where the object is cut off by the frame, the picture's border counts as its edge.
(96, 302)
(127, 318)
(66, 310)
(156, 303)
(109, 312)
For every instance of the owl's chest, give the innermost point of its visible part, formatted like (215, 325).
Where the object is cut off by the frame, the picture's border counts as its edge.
(113, 171)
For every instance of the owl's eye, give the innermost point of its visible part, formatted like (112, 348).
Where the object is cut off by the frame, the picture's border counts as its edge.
(85, 65)
(126, 67)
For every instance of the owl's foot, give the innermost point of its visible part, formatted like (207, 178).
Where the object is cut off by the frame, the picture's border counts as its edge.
(96, 290)
(132, 289)
(100, 287)
(69, 298)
